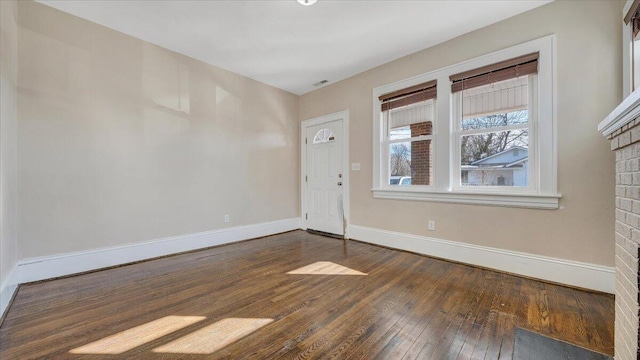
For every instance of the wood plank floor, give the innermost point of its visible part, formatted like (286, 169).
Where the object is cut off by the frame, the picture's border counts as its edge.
(239, 302)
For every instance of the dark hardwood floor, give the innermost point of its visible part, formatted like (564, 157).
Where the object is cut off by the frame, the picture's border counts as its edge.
(238, 301)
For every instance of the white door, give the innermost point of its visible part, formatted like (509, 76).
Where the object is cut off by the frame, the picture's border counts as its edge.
(324, 177)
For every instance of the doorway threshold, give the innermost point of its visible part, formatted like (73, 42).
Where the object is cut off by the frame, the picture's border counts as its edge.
(322, 233)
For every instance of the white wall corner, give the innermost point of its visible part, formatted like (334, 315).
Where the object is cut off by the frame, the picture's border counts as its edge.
(568, 272)
(47, 267)
(8, 287)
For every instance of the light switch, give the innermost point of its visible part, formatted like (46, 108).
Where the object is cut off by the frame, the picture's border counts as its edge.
(355, 166)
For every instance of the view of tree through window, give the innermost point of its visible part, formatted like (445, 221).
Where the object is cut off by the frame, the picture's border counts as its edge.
(410, 151)
(494, 134)
(410, 161)
(400, 164)
(481, 131)
(477, 147)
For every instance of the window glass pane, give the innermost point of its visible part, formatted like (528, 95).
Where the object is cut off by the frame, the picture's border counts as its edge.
(323, 136)
(495, 159)
(497, 104)
(401, 132)
(635, 59)
(495, 120)
(411, 121)
(411, 163)
(412, 130)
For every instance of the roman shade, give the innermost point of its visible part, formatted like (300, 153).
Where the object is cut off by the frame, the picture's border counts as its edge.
(503, 97)
(411, 115)
(503, 70)
(410, 95)
(633, 11)
(633, 16)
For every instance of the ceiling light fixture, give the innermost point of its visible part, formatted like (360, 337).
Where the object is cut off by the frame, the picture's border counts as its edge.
(307, 2)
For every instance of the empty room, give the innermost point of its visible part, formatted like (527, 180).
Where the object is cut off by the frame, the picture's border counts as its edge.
(319, 179)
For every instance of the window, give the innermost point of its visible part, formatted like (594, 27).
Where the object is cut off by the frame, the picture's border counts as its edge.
(408, 134)
(493, 123)
(477, 132)
(631, 37)
(323, 136)
(635, 58)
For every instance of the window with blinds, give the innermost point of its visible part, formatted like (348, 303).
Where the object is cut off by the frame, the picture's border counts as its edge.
(408, 121)
(632, 20)
(493, 122)
(482, 131)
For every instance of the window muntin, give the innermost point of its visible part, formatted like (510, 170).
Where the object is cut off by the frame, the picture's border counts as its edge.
(408, 143)
(635, 60)
(408, 116)
(323, 136)
(541, 192)
(632, 22)
(493, 133)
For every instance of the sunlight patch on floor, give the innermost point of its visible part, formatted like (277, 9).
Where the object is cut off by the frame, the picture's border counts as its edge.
(325, 268)
(213, 337)
(139, 335)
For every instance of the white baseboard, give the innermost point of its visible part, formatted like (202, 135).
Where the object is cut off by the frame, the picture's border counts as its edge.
(47, 267)
(8, 287)
(584, 275)
(573, 273)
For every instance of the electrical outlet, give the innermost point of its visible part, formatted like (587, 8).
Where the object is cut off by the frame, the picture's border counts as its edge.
(431, 225)
(355, 166)
(226, 218)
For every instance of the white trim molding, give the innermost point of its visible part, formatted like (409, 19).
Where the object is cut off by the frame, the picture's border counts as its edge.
(542, 193)
(346, 169)
(8, 288)
(47, 267)
(627, 61)
(532, 201)
(573, 273)
(627, 111)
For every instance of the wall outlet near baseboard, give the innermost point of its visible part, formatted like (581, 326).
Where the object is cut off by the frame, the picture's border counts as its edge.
(431, 225)
(226, 218)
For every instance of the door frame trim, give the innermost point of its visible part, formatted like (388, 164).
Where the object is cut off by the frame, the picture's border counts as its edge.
(341, 115)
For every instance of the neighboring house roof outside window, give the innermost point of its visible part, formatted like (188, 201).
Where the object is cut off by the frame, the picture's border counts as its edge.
(514, 156)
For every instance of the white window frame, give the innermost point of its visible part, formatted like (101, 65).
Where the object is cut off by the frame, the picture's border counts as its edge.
(386, 141)
(543, 192)
(627, 53)
(531, 127)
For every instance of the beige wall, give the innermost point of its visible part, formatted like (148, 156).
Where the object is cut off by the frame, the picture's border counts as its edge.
(8, 125)
(121, 141)
(589, 87)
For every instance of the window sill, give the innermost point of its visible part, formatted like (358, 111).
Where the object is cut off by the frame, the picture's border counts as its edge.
(627, 111)
(532, 201)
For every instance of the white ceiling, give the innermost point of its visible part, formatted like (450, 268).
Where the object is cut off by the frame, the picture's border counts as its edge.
(290, 46)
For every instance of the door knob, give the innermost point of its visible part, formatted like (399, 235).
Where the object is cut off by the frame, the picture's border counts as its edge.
(339, 183)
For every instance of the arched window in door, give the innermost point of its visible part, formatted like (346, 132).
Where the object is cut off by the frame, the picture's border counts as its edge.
(324, 136)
